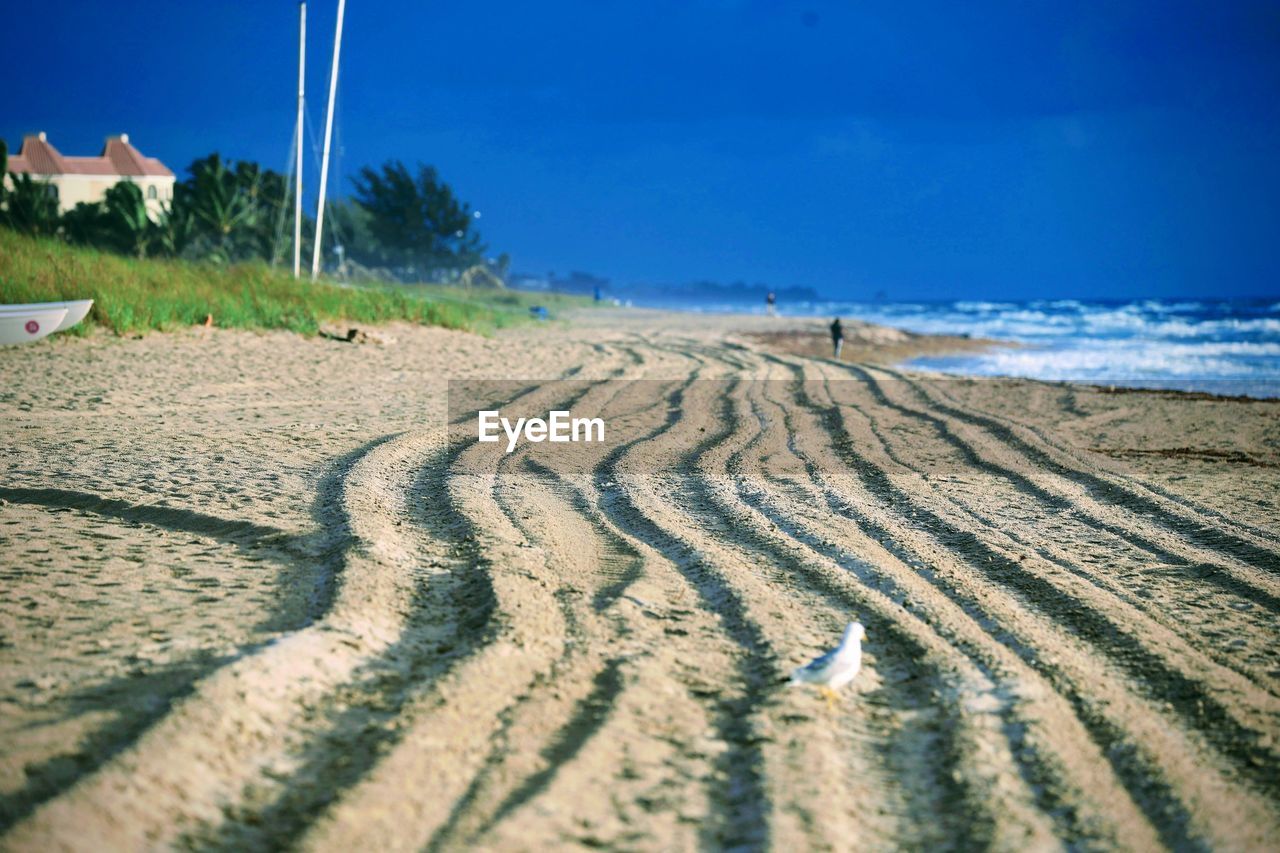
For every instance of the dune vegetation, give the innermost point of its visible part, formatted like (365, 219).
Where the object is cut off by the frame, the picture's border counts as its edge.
(135, 295)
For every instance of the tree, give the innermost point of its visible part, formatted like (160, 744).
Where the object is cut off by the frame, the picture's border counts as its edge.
(86, 225)
(397, 225)
(119, 223)
(31, 206)
(220, 209)
(266, 192)
(175, 229)
(416, 222)
(129, 228)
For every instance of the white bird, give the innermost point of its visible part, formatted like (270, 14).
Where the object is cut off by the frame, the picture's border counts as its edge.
(837, 667)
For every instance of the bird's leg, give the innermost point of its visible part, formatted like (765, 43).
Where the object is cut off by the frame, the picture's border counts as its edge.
(833, 700)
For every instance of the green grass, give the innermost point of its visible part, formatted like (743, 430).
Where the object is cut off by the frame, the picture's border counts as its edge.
(132, 296)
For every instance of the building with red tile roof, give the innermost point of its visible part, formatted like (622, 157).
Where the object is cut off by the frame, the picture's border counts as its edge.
(87, 179)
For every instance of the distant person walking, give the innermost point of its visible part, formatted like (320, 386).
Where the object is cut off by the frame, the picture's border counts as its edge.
(837, 336)
(771, 304)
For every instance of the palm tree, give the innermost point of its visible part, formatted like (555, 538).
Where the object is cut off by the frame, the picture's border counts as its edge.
(175, 227)
(129, 227)
(267, 193)
(85, 225)
(222, 208)
(31, 206)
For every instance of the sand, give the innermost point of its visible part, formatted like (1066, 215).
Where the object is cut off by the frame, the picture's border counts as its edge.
(254, 598)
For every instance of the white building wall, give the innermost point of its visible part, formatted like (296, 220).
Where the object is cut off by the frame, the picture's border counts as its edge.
(73, 189)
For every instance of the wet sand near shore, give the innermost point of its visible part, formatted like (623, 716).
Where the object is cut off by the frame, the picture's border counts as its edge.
(255, 598)
(863, 343)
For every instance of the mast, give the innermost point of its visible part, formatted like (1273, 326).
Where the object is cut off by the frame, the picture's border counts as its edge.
(297, 187)
(328, 136)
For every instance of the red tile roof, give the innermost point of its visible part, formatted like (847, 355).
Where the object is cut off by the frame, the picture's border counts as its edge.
(118, 158)
(37, 157)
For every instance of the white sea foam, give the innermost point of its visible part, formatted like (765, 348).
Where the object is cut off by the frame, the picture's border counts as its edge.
(1130, 361)
(1200, 342)
(1203, 341)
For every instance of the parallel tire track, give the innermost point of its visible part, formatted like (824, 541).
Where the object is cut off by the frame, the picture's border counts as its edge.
(983, 567)
(1078, 542)
(240, 722)
(1198, 525)
(520, 655)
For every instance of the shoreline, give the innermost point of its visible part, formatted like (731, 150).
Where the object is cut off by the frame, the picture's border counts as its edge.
(1231, 345)
(870, 343)
(889, 346)
(802, 336)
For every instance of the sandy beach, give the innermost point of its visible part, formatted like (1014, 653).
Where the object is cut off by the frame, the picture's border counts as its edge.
(254, 597)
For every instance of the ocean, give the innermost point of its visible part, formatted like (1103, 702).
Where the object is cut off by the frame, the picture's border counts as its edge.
(1218, 346)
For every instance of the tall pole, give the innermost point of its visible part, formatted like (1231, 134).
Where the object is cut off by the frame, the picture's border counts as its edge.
(297, 156)
(328, 135)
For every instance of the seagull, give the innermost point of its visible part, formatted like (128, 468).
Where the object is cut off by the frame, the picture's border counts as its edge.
(837, 667)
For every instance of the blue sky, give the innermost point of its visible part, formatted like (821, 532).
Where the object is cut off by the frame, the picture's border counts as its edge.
(928, 150)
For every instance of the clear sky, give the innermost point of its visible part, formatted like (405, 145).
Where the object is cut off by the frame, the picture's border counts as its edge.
(937, 149)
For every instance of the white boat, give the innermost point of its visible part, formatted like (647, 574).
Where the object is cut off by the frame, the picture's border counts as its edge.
(24, 327)
(77, 310)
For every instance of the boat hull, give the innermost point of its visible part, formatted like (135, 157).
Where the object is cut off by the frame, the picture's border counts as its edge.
(77, 310)
(25, 327)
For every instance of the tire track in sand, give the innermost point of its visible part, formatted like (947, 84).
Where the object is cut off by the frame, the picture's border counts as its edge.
(484, 689)
(524, 631)
(231, 747)
(1155, 653)
(1112, 471)
(1101, 551)
(1071, 779)
(243, 720)
(1003, 459)
(742, 808)
(1163, 765)
(791, 811)
(915, 753)
(559, 721)
(1199, 525)
(447, 619)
